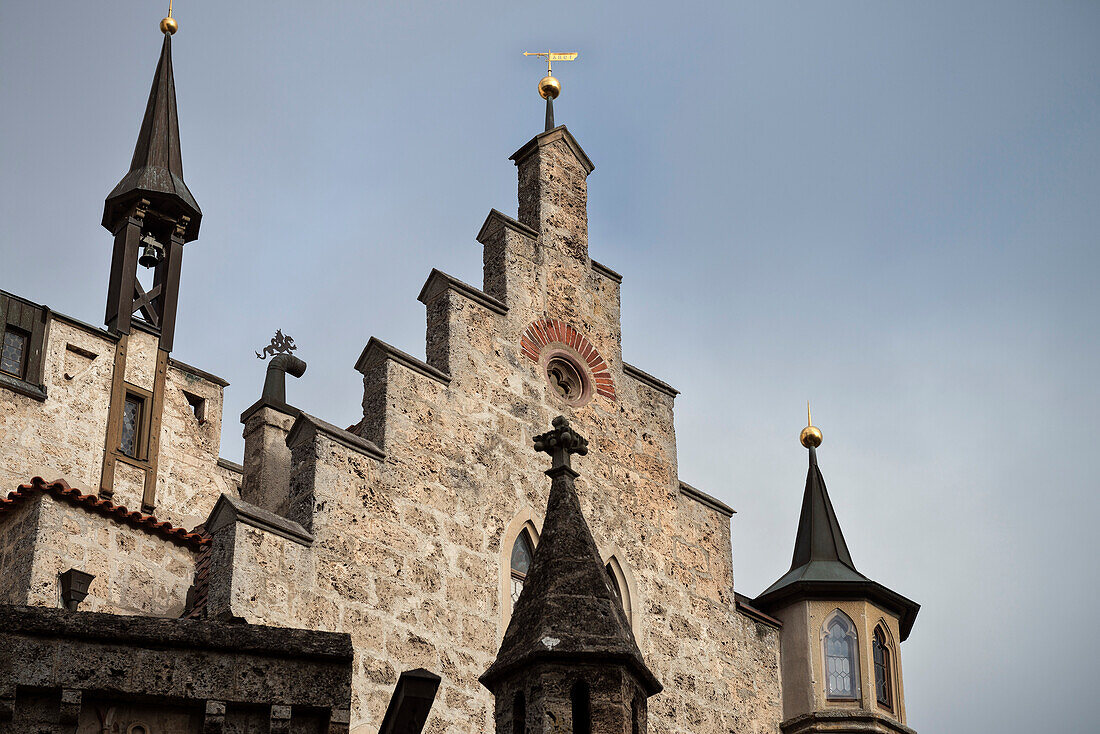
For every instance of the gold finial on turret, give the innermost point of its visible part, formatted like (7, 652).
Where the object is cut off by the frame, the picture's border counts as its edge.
(550, 87)
(169, 25)
(811, 435)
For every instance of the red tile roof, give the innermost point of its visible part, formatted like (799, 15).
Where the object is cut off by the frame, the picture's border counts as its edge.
(61, 490)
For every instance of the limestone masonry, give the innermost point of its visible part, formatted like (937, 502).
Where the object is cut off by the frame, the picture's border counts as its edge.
(363, 579)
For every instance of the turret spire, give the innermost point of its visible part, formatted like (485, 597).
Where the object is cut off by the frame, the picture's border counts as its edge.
(568, 628)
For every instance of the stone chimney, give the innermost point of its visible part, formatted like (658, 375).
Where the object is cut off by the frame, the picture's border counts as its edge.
(266, 481)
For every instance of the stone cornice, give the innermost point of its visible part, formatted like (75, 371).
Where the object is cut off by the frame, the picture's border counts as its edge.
(378, 349)
(269, 403)
(848, 720)
(606, 272)
(229, 510)
(561, 132)
(184, 367)
(705, 499)
(186, 634)
(647, 379)
(508, 223)
(743, 604)
(438, 281)
(307, 426)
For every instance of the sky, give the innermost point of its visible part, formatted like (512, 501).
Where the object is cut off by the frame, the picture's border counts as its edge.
(889, 209)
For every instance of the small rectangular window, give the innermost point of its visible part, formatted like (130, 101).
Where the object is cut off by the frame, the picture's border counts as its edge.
(132, 415)
(13, 352)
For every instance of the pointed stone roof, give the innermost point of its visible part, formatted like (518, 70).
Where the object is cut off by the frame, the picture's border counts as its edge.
(156, 171)
(822, 567)
(567, 611)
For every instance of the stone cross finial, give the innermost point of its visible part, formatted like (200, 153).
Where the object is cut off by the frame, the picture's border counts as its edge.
(561, 442)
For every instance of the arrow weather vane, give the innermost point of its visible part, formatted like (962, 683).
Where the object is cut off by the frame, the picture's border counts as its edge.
(549, 87)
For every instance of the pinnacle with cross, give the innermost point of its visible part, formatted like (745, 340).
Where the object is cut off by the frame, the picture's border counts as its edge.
(561, 442)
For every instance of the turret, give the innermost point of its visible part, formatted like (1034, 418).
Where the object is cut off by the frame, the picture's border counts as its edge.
(569, 661)
(840, 642)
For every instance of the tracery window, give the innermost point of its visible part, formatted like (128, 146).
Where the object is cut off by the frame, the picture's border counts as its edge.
(616, 579)
(881, 653)
(522, 551)
(841, 657)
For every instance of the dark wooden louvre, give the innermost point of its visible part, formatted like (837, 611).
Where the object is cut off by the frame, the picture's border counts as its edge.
(28, 319)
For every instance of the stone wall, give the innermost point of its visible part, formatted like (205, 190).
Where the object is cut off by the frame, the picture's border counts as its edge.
(136, 572)
(103, 673)
(64, 435)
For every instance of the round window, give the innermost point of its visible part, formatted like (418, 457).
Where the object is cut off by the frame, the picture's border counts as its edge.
(568, 381)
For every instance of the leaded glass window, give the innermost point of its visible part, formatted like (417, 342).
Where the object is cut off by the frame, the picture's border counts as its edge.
(841, 661)
(131, 426)
(882, 668)
(13, 353)
(522, 551)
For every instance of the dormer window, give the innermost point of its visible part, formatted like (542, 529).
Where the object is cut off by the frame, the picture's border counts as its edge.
(13, 352)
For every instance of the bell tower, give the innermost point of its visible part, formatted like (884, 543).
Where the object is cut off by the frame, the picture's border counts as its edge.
(151, 214)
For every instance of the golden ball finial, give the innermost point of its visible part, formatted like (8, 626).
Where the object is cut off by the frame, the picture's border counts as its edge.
(169, 25)
(549, 87)
(811, 435)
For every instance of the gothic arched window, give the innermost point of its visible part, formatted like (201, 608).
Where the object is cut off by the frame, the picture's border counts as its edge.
(841, 657)
(522, 551)
(616, 579)
(881, 652)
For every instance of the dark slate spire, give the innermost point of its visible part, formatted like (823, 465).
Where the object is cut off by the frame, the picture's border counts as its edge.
(819, 537)
(567, 611)
(156, 172)
(820, 553)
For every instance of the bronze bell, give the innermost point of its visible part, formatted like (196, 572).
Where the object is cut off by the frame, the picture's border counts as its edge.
(152, 253)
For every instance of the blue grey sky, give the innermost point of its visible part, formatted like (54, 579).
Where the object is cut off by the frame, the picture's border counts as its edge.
(888, 208)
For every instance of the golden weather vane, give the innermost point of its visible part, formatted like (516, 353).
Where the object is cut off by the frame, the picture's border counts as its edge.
(169, 25)
(549, 87)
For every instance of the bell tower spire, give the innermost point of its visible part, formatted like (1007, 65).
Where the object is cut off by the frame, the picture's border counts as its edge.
(151, 213)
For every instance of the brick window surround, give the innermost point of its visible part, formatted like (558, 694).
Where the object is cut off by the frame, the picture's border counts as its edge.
(546, 336)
